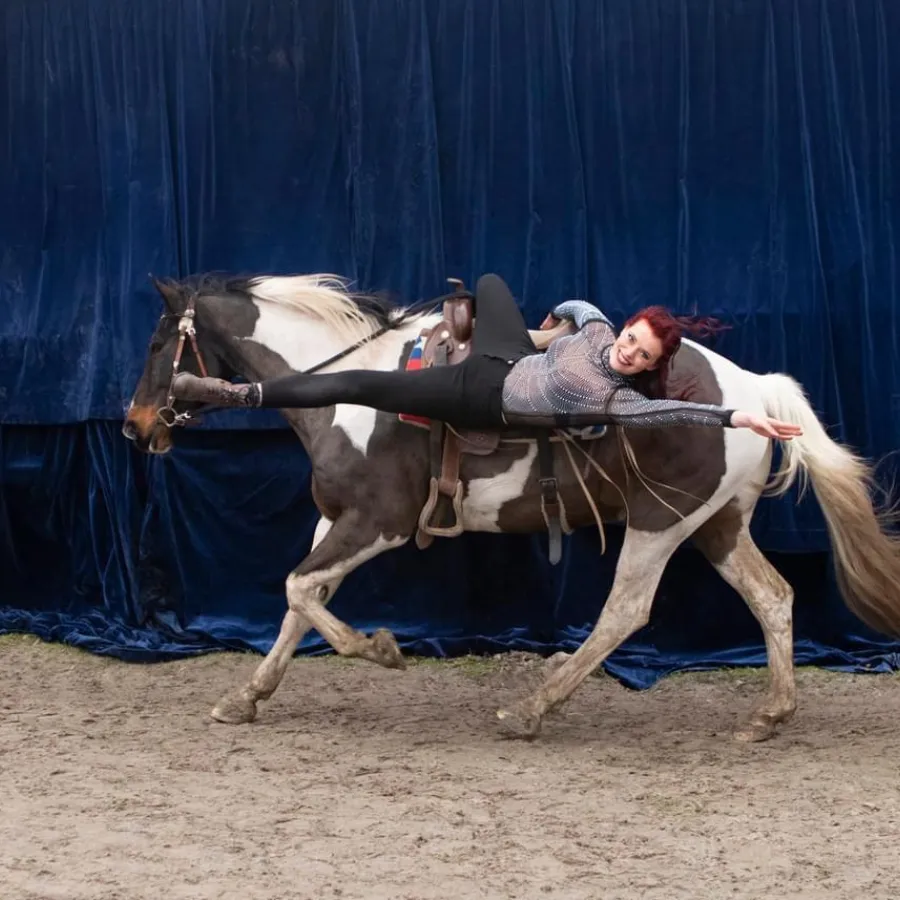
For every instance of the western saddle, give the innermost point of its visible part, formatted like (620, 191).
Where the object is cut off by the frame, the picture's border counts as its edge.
(449, 343)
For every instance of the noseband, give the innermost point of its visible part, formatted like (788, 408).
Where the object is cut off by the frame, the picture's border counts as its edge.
(166, 414)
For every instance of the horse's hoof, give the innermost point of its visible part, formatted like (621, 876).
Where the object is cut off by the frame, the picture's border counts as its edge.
(515, 723)
(385, 650)
(234, 709)
(755, 731)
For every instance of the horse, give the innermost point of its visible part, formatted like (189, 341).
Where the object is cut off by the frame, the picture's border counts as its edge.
(370, 476)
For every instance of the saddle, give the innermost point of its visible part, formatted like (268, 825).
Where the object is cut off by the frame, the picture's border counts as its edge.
(448, 343)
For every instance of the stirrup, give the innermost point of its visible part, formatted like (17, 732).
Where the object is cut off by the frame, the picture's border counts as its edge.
(428, 509)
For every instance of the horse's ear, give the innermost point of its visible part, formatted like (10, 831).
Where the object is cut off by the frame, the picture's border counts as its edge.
(171, 294)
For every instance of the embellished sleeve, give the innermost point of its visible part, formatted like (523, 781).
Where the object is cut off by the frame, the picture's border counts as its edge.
(580, 312)
(631, 409)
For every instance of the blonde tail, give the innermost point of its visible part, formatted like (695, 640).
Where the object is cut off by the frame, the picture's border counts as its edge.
(866, 553)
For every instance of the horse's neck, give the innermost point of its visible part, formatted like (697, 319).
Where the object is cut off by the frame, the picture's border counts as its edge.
(284, 341)
(303, 342)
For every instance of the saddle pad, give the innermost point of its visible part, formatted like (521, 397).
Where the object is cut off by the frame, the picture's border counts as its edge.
(415, 362)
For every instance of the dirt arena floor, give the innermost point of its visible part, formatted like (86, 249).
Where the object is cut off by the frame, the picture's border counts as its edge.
(361, 784)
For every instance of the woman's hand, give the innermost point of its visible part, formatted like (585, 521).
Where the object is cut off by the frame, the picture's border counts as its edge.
(766, 426)
(549, 323)
(551, 329)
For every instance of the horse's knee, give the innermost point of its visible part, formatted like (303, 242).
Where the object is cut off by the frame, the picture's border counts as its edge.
(775, 604)
(300, 589)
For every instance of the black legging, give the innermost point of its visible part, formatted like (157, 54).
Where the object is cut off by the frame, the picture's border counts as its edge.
(467, 395)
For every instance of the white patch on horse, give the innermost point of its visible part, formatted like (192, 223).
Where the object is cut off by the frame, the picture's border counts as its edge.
(486, 496)
(357, 422)
(301, 343)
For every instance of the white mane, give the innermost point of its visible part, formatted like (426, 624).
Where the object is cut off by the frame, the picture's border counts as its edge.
(323, 296)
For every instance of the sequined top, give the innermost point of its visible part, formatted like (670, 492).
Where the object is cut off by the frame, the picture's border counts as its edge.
(572, 384)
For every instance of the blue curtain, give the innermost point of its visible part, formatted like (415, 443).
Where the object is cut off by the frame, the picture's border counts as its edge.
(728, 156)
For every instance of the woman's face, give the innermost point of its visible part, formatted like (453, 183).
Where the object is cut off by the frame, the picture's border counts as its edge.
(636, 349)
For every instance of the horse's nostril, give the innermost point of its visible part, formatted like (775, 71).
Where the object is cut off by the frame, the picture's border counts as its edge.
(128, 431)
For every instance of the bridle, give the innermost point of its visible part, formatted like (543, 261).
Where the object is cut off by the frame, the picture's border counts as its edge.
(187, 330)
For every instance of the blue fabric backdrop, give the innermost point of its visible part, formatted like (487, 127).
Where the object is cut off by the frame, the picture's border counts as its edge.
(734, 156)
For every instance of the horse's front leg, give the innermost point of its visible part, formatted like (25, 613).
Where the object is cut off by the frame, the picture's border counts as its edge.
(338, 548)
(641, 563)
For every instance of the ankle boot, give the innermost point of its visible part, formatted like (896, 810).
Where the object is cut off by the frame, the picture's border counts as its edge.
(214, 390)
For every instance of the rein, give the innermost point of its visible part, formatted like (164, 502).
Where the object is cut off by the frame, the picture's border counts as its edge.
(352, 348)
(187, 330)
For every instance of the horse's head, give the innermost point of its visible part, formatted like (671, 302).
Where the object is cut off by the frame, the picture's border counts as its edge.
(177, 345)
(266, 325)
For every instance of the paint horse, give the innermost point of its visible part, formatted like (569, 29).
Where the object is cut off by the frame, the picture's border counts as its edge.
(370, 477)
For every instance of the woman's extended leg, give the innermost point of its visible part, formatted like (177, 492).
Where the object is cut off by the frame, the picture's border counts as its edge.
(467, 395)
(434, 392)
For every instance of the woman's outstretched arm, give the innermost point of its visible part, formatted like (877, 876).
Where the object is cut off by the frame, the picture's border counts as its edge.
(631, 409)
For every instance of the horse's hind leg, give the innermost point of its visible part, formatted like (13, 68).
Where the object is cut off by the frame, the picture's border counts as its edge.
(641, 563)
(338, 548)
(726, 542)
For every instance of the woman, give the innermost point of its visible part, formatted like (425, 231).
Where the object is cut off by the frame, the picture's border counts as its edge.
(590, 377)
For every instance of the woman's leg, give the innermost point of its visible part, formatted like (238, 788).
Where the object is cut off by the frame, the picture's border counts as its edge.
(433, 392)
(500, 330)
(465, 395)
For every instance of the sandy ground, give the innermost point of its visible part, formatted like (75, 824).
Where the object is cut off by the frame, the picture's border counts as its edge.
(356, 782)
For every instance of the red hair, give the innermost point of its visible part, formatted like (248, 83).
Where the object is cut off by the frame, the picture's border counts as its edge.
(668, 329)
